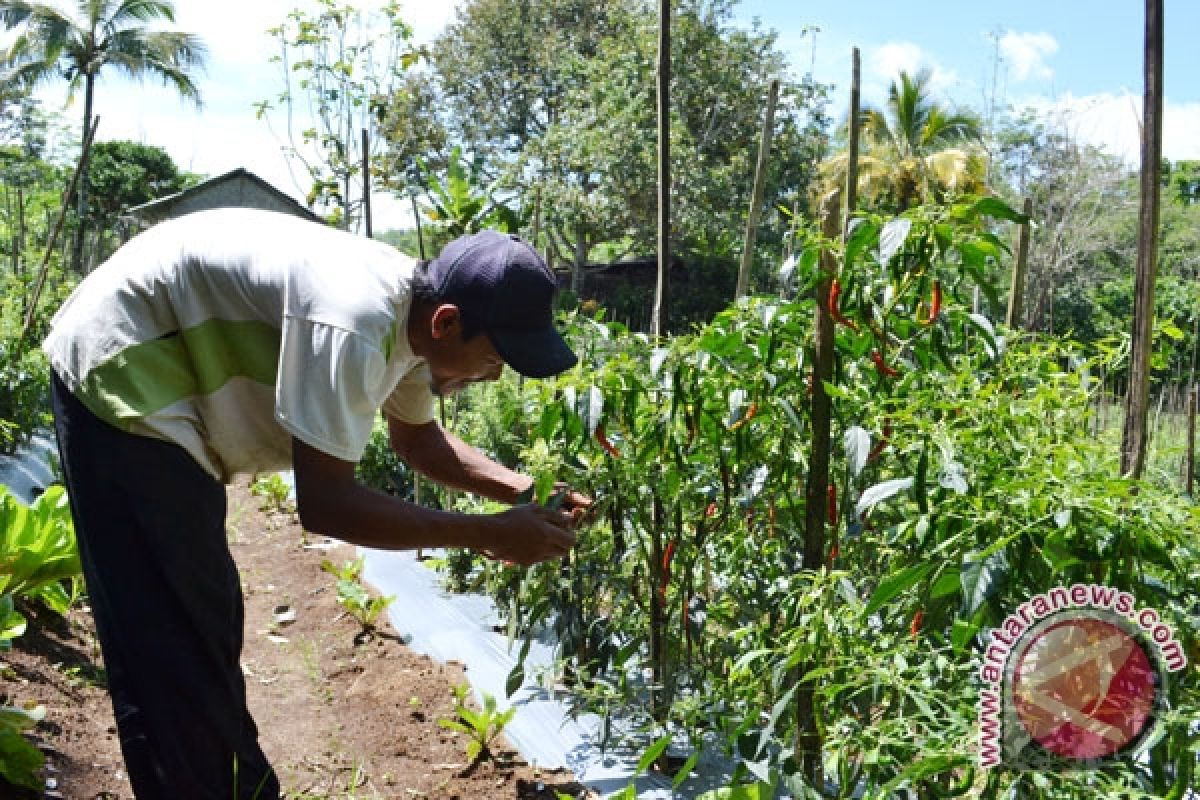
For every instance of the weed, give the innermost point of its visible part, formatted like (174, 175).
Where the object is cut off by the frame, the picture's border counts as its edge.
(481, 726)
(353, 596)
(274, 491)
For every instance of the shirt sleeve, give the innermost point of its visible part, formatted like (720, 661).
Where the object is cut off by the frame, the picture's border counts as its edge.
(329, 388)
(412, 400)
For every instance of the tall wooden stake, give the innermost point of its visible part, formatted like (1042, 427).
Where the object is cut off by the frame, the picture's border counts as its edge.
(1135, 435)
(851, 191)
(756, 195)
(659, 312)
(1016, 295)
(836, 210)
(1189, 464)
(40, 281)
(420, 234)
(366, 180)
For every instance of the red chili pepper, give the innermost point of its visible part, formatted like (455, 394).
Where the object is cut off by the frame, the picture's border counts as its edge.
(935, 306)
(711, 511)
(832, 503)
(665, 579)
(605, 443)
(882, 365)
(833, 554)
(882, 443)
(835, 311)
(915, 625)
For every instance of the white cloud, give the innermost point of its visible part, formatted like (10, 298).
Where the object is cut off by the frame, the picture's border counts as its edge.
(225, 133)
(1113, 122)
(1027, 53)
(887, 61)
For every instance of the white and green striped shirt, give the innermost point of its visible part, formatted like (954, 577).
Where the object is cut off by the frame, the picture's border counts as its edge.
(230, 331)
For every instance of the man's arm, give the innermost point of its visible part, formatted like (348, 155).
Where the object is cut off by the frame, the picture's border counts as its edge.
(446, 459)
(331, 501)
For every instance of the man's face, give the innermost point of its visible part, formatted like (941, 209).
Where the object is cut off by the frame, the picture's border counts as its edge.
(453, 363)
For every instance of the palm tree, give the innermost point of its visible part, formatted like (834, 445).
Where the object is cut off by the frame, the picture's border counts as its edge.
(915, 150)
(54, 43)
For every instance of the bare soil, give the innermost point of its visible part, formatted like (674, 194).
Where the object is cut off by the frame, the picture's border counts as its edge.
(340, 714)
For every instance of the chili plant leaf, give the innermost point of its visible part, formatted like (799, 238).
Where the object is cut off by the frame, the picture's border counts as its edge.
(682, 774)
(894, 584)
(998, 209)
(516, 678)
(755, 791)
(892, 237)
(652, 753)
(858, 447)
(880, 492)
(981, 579)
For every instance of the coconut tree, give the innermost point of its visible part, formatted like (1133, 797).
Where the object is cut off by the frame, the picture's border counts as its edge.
(914, 149)
(76, 45)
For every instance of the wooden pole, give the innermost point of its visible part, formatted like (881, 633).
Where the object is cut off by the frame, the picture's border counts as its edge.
(1135, 437)
(1190, 461)
(417, 220)
(756, 194)
(851, 191)
(1016, 295)
(366, 181)
(659, 311)
(40, 282)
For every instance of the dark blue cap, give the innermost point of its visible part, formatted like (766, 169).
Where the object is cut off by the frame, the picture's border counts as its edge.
(499, 279)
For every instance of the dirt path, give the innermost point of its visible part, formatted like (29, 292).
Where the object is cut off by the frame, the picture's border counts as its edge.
(338, 719)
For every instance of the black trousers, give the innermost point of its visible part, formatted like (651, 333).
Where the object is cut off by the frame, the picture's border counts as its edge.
(168, 607)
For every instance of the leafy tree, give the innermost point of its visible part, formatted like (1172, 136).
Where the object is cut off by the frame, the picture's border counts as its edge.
(54, 43)
(915, 149)
(558, 98)
(1183, 180)
(337, 73)
(1083, 207)
(124, 174)
(459, 204)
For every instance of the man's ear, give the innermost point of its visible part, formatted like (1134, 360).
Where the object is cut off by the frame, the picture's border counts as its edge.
(445, 321)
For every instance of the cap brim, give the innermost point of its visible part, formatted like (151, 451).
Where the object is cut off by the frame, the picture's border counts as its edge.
(534, 354)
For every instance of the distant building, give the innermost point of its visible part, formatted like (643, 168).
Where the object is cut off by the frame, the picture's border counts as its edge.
(237, 189)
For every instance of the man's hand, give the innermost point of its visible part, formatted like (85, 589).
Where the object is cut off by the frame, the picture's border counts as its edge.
(530, 533)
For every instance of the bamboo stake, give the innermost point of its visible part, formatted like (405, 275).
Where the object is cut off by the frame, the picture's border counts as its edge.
(366, 172)
(659, 311)
(1190, 460)
(41, 277)
(1134, 436)
(1016, 295)
(756, 194)
(852, 152)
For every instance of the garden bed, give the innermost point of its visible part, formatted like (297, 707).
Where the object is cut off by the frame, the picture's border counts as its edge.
(337, 718)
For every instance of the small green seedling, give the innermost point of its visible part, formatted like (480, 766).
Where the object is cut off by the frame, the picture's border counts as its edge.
(481, 726)
(273, 490)
(353, 596)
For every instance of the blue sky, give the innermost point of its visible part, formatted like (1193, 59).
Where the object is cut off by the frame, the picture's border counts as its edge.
(1077, 60)
(1081, 59)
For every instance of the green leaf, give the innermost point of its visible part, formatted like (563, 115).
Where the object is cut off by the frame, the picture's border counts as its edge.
(998, 209)
(894, 584)
(652, 753)
(981, 580)
(755, 791)
(892, 237)
(685, 770)
(946, 584)
(516, 678)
